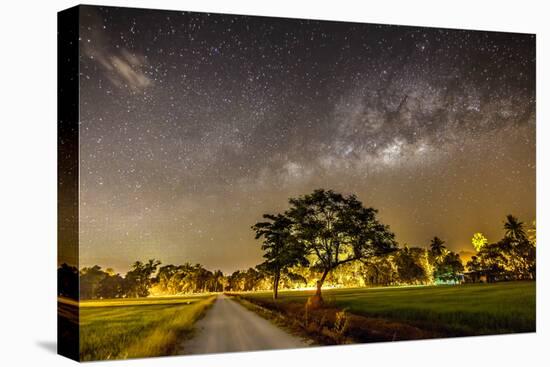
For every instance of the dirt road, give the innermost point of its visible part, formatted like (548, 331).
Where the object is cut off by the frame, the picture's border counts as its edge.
(229, 327)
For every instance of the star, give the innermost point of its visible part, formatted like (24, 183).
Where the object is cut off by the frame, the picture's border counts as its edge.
(193, 125)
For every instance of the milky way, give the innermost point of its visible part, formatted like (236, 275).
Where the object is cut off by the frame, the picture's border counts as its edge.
(193, 125)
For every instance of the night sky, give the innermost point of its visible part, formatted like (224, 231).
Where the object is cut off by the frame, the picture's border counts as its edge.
(193, 125)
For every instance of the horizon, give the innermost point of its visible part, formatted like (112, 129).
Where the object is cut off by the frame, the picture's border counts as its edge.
(123, 269)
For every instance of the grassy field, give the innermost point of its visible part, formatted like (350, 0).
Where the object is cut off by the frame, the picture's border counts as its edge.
(470, 309)
(145, 327)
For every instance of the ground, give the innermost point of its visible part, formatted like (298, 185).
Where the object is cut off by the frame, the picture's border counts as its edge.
(470, 309)
(145, 327)
(122, 328)
(229, 327)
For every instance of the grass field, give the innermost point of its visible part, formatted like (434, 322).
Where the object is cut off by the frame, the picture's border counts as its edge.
(470, 309)
(145, 327)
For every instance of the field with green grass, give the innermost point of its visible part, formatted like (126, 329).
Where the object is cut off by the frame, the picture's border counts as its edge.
(132, 328)
(469, 309)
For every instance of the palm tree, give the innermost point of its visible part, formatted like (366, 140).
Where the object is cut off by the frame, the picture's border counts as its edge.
(437, 246)
(514, 228)
(479, 241)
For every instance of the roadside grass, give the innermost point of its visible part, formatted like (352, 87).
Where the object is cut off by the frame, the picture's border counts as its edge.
(146, 327)
(169, 300)
(470, 309)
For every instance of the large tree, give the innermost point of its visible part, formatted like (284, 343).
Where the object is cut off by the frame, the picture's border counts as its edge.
(281, 248)
(336, 229)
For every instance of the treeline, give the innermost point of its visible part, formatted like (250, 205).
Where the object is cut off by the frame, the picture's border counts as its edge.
(324, 238)
(511, 258)
(404, 266)
(142, 280)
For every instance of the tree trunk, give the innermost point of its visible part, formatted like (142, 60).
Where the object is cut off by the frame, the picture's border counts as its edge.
(316, 301)
(320, 282)
(276, 285)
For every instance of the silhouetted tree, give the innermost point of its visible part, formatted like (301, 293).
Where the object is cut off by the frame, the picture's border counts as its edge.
(520, 250)
(514, 229)
(437, 246)
(67, 281)
(90, 279)
(138, 279)
(111, 286)
(282, 250)
(337, 229)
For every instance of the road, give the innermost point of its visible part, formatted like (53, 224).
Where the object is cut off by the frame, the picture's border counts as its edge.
(230, 327)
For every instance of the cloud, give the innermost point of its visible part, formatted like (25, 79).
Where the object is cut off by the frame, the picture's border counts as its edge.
(129, 71)
(122, 67)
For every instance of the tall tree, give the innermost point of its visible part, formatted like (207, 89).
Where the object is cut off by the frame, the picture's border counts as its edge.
(514, 229)
(437, 247)
(337, 229)
(281, 249)
(520, 251)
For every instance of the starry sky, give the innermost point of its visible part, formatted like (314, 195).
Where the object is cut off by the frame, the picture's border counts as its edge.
(193, 125)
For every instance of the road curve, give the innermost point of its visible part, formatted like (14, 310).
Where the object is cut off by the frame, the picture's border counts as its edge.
(230, 327)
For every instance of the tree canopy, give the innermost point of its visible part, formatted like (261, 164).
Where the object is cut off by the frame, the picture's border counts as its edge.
(281, 248)
(337, 229)
(513, 257)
